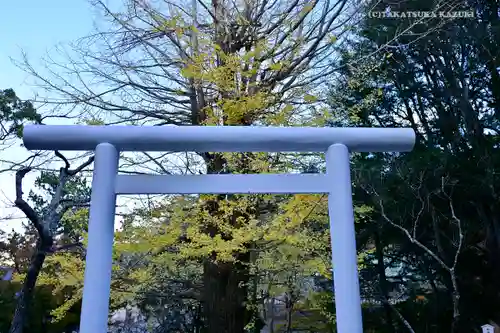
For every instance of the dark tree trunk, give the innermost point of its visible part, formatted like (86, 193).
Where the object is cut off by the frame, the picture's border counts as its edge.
(25, 297)
(225, 290)
(224, 297)
(383, 282)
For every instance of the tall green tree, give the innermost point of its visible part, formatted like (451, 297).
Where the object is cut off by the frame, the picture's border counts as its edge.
(212, 63)
(44, 217)
(14, 113)
(435, 209)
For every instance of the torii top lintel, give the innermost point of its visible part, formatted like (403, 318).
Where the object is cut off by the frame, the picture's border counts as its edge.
(217, 138)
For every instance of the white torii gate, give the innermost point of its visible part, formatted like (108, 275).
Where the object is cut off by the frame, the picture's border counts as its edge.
(108, 141)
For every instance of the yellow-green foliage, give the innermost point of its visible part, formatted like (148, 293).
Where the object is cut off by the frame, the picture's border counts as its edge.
(232, 77)
(171, 240)
(64, 273)
(232, 80)
(293, 243)
(44, 300)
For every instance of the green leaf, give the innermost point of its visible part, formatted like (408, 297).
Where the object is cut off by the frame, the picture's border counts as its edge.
(94, 122)
(19, 130)
(307, 8)
(288, 108)
(276, 67)
(310, 98)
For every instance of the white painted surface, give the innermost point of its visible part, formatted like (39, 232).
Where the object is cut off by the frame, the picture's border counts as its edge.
(217, 138)
(488, 328)
(222, 184)
(99, 258)
(343, 241)
(336, 142)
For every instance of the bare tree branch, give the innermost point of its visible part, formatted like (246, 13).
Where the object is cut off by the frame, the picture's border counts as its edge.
(450, 268)
(403, 320)
(81, 167)
(66, 163)
(25, 207)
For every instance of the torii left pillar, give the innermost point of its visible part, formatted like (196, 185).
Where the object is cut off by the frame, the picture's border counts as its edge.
(99, 259)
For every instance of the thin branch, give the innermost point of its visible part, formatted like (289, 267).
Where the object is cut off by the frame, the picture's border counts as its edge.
(61, 156)
(81, 167)
(400, 316)
(66, 247)
(459, 225)
(24, 206)
(411, 238)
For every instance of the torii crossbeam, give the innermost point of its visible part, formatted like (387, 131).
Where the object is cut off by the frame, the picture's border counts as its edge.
(108, 141)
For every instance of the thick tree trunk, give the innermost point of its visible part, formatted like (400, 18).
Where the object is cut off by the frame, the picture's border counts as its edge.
(225, 291)
(225, 284)
(25, 297)
(224, 297)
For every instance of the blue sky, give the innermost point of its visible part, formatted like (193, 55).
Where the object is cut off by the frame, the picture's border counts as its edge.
(35, 27)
